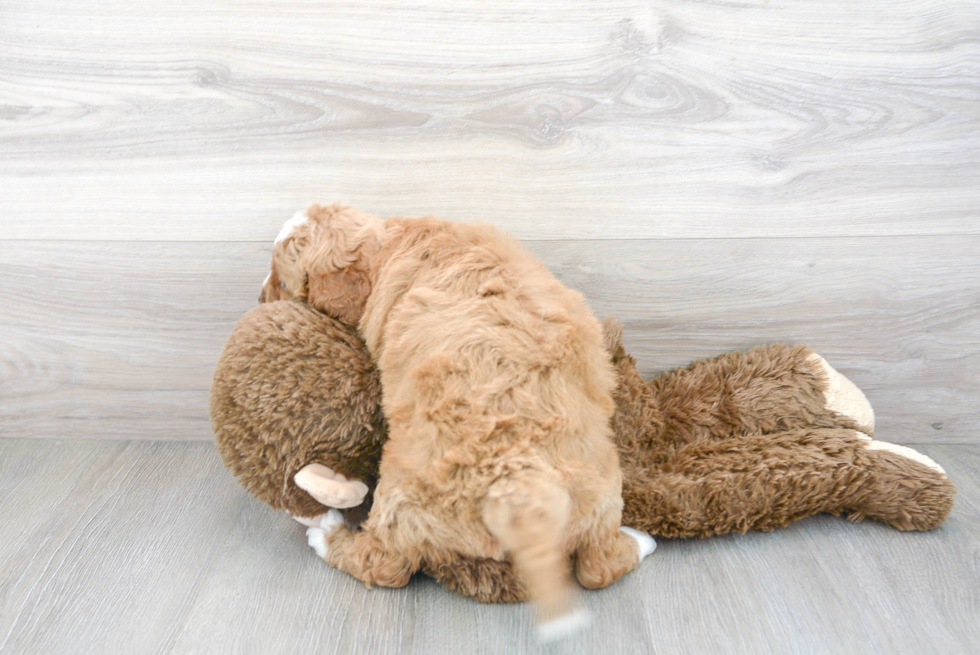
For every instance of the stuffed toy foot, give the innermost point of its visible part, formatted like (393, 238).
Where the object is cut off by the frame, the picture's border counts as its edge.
(754, 441)
(763, 482)
(905, 489)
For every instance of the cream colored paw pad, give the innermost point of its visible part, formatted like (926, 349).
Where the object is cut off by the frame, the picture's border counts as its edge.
(842, 395)
(645, 544)
(905, 451)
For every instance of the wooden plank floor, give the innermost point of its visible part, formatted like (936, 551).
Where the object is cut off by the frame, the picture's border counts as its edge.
(140, 547)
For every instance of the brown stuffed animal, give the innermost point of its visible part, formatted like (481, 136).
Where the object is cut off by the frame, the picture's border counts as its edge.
(296, 411)
(741, 442)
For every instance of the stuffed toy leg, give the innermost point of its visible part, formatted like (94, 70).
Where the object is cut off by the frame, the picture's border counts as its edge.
(754, 441)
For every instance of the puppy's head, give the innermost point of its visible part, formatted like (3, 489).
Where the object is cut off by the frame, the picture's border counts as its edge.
(322, 256)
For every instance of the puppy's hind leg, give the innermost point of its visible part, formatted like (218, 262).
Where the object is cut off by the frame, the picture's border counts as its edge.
(362, 554)
(611, 552)
(528, 512)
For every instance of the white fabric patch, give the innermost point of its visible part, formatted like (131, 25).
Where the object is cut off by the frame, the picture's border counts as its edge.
(645, 544)
(905, 451)
(310, 523)
(317, 539)
(298, 219)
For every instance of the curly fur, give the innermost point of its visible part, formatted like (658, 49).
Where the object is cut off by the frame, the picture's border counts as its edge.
(497, 395)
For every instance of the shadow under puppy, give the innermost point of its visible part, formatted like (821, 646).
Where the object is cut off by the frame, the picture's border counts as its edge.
(497, 394)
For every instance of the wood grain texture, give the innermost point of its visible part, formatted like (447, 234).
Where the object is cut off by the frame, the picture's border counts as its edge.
(153, 548)
(119, 340)
(124, 120)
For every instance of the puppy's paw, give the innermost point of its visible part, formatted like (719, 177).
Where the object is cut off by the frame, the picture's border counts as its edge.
(317, 539)
(317, 536)
(331, 520)
(843, 396)
(645, 544)
(564, 626)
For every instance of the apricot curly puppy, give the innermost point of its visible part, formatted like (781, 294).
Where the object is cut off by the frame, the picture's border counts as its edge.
(498, 396)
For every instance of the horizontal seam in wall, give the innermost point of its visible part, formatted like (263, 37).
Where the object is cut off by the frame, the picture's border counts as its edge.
(533, 240)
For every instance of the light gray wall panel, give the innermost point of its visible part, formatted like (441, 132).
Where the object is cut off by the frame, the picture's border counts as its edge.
(556, 119)
(119, 340)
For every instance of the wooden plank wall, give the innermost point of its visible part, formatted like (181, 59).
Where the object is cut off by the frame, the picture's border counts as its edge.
(718, 175)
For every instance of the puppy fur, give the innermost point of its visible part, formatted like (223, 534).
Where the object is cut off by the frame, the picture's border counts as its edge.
(497, 393)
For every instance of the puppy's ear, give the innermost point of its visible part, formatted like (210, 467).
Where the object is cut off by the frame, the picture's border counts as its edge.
(338, 280)
(271, 288)
(340, 293)
(612, 339)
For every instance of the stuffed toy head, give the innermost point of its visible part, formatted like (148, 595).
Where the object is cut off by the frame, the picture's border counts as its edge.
(296, 410)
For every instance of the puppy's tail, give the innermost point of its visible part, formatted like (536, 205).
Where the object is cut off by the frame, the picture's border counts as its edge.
(527, 511)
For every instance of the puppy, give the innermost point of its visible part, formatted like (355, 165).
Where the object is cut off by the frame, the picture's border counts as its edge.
(498, 394)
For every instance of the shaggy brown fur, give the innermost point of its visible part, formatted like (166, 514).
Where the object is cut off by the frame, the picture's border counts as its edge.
(295, 387)
(755, 427)
(497, 395)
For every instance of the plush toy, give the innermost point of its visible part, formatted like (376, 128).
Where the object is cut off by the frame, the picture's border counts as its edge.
(296, 411)
(745, 441)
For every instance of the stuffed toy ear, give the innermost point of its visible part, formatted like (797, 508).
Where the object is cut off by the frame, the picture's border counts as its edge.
(340, 293)
(330, 488)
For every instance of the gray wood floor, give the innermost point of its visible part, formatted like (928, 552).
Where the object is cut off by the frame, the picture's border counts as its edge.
(136, 547)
